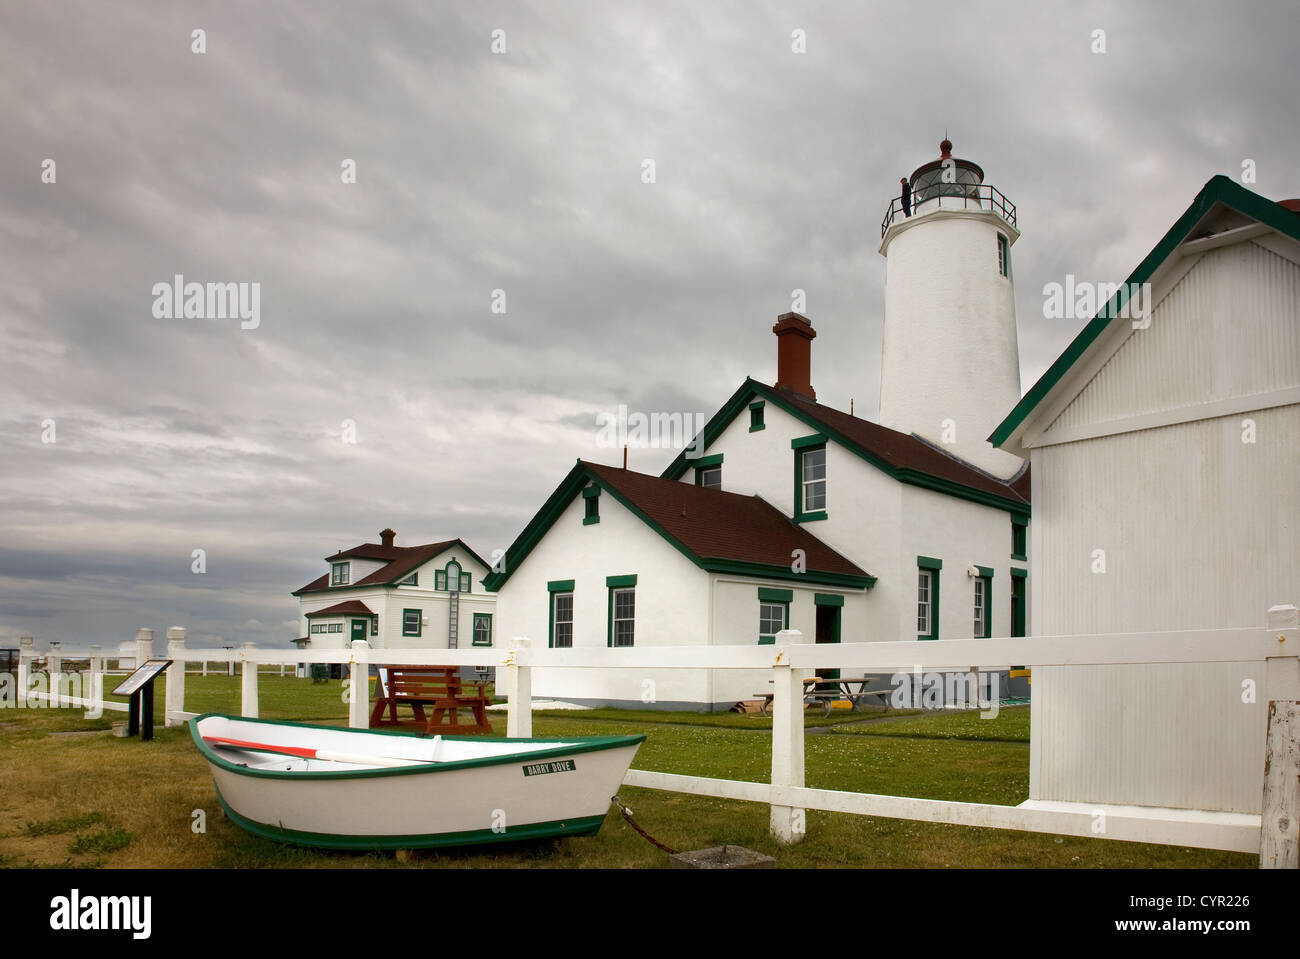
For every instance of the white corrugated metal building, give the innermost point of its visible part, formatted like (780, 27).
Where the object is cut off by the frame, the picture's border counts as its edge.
(1165, 460)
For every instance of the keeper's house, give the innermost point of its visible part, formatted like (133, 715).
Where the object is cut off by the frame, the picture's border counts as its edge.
(399, 597)
(1166, 488)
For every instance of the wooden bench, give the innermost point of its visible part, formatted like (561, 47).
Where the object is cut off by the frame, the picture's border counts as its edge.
(438, 687)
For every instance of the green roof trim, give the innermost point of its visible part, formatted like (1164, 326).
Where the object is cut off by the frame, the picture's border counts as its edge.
(741, 400)
(1219, 190)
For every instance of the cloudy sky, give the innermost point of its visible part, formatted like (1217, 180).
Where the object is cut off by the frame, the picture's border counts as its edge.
(519, 171)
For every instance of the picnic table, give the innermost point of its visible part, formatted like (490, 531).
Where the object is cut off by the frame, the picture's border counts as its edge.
(438, 687)
(827, 690)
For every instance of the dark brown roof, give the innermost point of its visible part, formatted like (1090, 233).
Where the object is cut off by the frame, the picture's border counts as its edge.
(338, 609)
(716, 525)
(902, 451)
(401, 561)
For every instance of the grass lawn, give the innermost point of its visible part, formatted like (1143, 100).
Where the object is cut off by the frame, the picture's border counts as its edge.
(76, 796)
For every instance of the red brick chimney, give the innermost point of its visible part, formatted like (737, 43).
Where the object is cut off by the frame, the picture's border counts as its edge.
(794, 336)
(386, 537)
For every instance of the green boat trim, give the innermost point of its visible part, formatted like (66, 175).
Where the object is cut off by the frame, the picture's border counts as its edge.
(583, 826)
(564, 746)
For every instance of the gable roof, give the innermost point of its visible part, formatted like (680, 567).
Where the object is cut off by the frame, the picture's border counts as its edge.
(1217, 194)
(400, 562)
(353, 606)
(717, 531)
(905, 457)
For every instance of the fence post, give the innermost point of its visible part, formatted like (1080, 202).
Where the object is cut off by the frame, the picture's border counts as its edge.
(54, 669)
(519, 692)
(175, 677)
(1279, 834)
(96, 684)
(359, 688)
(25, 655)
(788, 823)
(248, 682)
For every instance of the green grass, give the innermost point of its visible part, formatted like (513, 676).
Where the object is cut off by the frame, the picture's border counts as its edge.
(64, 773)
(53, 827)
(106, 840)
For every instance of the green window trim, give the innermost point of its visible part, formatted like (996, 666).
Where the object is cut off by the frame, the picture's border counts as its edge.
(464, 579)
(932, 566)
(484, 618)
(440, 579)
(614, 590)
(802, 445)
(756, 416)
(804, 442)
(705, 464)
(828, 599)
(340, 574)
(765, 639)
(591, 504)
(1004, 256)
(406, 625)
(986, 574)
(412, 580)
(374, 625)
(1019, 536)
(552, 595)
(1019, 573)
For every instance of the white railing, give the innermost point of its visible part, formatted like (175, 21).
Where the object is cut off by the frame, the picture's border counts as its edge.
(791, 661)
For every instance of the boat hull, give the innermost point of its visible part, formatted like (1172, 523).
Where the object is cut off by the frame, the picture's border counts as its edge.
(549, 788)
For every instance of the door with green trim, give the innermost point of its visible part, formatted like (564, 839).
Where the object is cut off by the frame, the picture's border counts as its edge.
(358, 629)
(828, 631)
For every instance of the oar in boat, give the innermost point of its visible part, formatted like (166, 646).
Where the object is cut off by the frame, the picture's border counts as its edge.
(329, 755)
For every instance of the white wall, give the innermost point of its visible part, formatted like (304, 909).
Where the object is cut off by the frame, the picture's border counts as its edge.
(1198, 530)
(950, 349)
(671, 604)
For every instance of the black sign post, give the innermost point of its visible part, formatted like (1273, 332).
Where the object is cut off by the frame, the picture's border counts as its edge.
(139, 686)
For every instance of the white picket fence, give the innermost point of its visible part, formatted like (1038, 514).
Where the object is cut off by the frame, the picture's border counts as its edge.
(1275, 834)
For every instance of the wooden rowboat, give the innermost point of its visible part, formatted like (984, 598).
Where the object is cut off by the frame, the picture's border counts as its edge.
(354, 789)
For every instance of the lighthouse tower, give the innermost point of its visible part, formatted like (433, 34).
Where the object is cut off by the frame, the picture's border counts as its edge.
(950, 361)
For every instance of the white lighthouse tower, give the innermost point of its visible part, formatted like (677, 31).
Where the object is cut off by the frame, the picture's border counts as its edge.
(950, 361)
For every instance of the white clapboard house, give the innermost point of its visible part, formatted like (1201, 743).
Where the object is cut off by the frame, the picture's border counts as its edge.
(1166, 487)
(395, 597)
(788, 513)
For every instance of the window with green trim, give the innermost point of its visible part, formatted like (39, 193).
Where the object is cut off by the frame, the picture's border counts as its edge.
(336, 627)
(982, 627)
(561, 620)
(772, 618)
(708, 471)
(411, 622)
(482, 629)
(374, 625)
(1018, 537)
(809, 477)
(927, 597)
(622, 616)
(465, 582)
(440, 579)
(316, 628)
(1004, 256)
(591, 498)
(339, 574)
(756, 416)
(412, 580)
